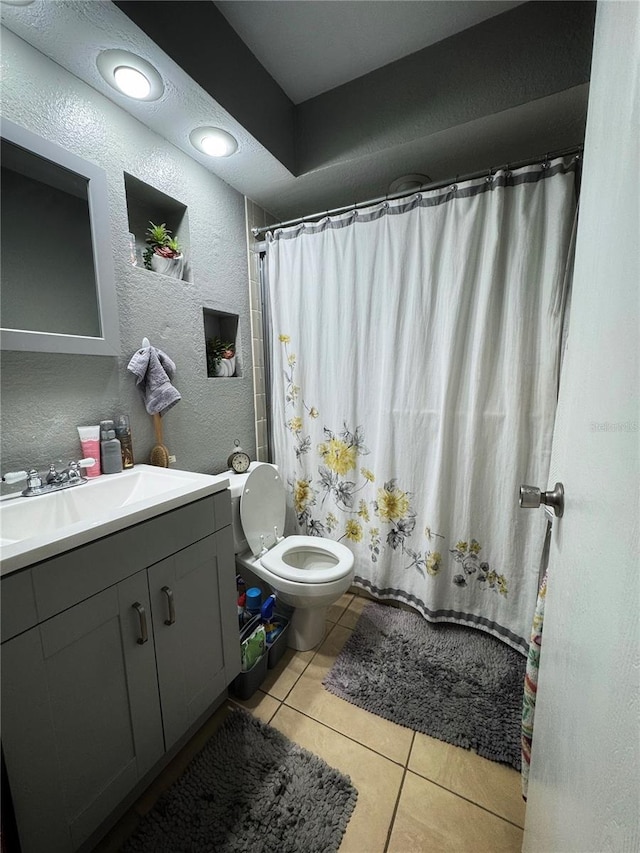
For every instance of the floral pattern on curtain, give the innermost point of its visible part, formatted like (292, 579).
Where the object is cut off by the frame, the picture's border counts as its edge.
(415, 350)
(387, 518)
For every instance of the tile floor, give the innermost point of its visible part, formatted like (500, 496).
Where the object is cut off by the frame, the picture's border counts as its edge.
(415, 793)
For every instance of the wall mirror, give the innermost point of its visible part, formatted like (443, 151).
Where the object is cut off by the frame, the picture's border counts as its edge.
(58, 291)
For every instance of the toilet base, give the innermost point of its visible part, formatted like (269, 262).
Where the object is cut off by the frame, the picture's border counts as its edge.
(307, 628)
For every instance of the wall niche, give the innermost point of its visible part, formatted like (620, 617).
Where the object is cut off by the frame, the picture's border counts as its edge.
(221, 340)
(146, 204)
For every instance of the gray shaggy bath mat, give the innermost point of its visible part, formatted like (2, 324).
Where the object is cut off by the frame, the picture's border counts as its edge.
(453, 683)
(250, 790)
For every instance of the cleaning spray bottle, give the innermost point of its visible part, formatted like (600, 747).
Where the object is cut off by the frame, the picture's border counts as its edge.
(271, 627)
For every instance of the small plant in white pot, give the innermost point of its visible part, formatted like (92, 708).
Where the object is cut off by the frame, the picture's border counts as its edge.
(163, 253)
(221, 357)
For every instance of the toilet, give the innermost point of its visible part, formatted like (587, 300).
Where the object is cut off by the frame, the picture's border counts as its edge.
(309, 573)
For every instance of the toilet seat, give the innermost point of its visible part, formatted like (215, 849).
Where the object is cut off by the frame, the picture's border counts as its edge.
(308, 560)
(299, 559)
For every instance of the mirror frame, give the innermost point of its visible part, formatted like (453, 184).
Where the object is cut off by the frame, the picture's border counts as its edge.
(100, 224)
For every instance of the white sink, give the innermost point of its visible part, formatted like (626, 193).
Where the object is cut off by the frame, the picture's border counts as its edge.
(39, 527)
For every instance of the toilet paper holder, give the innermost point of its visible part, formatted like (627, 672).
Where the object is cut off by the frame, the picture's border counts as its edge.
(531, 498)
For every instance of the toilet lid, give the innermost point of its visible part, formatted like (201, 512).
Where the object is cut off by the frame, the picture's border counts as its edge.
(262, 508)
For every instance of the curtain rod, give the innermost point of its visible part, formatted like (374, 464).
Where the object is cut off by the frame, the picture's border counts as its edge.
(434, 185)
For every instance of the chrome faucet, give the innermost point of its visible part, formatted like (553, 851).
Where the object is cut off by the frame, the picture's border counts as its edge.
(55, 477)
(54, 480)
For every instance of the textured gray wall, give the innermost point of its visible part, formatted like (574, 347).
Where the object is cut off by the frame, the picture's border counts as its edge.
(45, 396)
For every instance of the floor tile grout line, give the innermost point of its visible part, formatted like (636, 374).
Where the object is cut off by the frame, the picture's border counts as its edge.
(297, 679)
(270, 720)
(397, 803)
(306, 667)
(462, 797)
(338, 732)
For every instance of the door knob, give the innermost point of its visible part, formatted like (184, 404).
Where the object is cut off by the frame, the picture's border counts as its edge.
(531, 498)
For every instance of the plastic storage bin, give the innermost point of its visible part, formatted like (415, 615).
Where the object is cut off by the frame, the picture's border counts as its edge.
(245, 684)
(276, 649)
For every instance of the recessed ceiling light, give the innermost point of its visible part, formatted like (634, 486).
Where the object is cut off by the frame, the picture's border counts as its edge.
(130, 74)
(17, 2)
(213, 141)
(132, 82)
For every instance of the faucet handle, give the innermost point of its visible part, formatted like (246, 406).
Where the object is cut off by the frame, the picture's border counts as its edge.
(14, 476)
(73, 471)
(73, 468)
(34, 480)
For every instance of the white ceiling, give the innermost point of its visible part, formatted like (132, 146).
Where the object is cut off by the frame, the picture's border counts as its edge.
(311, 46)
(313, 40)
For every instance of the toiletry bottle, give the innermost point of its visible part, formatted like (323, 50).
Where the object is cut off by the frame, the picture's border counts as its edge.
(241, 588)
(253, 601)
(123, 434)
(242, 612)
(90, 443)
(111, 453)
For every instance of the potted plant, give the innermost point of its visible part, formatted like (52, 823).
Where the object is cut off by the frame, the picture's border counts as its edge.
(221, 357)
(163, 253)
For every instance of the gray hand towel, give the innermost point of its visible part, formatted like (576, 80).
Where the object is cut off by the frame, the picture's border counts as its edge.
(154, 371)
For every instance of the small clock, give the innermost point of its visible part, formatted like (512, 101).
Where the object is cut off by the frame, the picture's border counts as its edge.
(238, 460)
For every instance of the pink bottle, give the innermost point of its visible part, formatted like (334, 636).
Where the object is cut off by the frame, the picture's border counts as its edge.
(90, 441)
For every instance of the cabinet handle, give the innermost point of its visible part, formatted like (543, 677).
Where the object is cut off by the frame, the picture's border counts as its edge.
(172, 609)
(144, 634)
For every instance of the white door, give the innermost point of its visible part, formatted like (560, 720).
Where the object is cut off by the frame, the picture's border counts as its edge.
(584, 788)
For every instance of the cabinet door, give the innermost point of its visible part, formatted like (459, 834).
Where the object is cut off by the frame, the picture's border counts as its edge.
(185, 603)
(80, 716)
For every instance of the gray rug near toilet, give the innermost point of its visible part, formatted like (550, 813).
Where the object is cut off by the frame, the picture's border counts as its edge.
(453, 683)
(249, 789)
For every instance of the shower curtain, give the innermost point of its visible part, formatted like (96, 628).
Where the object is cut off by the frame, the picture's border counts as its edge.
(415, 348)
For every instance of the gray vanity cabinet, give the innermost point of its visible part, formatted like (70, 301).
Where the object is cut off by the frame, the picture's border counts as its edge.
(81, 716)
(189, 649)
(116, 652)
